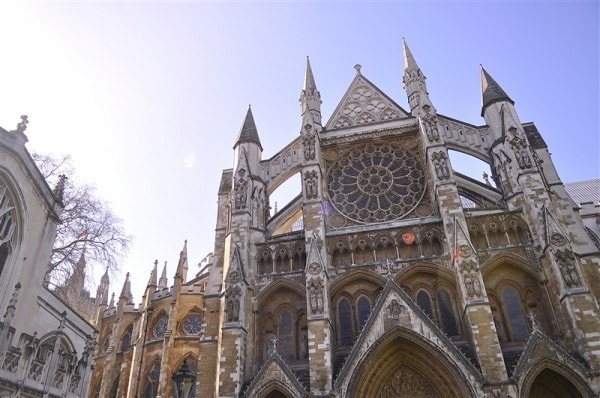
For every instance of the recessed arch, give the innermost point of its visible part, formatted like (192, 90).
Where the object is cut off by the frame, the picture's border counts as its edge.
(551, 379)
(281, 283)
(402, 352)
(349, 277)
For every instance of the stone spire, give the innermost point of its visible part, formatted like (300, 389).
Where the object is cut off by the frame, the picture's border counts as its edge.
(126, 291)
(414, 85)
(162, 282)
(491, 91)
(310, 98)
(105, 279)
(59, 189)
(153, 274)
(182, 266)
(248, 132)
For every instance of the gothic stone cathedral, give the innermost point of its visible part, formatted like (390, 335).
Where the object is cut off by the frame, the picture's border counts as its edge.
(391, 275)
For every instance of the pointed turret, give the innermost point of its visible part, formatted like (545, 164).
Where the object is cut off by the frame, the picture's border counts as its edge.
(153, 275)
(414, 85)
(310, 98)
(162, 282)
(126, 291)
(105, 280)
(182, 266)
(491, 91)
(59, 189)
(248, 132)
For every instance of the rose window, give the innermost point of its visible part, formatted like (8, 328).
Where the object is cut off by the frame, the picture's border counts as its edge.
(376, 183)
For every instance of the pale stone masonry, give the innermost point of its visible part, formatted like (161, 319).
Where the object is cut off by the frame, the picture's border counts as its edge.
(390, 275)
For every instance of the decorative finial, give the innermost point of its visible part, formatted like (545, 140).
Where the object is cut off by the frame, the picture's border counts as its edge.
(357, 67)
(485, 178)
(22, 126)
(59, 189)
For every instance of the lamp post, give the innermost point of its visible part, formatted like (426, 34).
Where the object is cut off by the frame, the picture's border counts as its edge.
(184, 381)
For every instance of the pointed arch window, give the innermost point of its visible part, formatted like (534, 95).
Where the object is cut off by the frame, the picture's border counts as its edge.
(515, 315)
(126, 340)
(286, 345)
(446, 310)
(363, 310)
(424, 301)
(345, 323)
(152, 384)
(8, 224)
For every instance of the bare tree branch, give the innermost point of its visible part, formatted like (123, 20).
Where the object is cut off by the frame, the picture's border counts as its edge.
(87, 223)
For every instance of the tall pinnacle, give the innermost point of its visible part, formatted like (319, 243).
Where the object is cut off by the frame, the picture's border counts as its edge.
(310, 98)
(491, 91)
(152, 280)
(409, 60)
(248, 132)
(309, 79)
(162, 282)
(182, 266)
(126, 291)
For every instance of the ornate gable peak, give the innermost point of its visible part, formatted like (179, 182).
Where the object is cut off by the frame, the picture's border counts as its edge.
(235, 273)
(314, 263)
(555, 235)
(540, 347)
(462, 243)
(395, 310)
(264, 378)
(362, 104)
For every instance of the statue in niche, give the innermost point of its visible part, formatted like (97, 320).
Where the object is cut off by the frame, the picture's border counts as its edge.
(568, 268)
(241, 188)
(523, 158)
(308, 141)
(440, 163)
(472, 284)
(310, 184)
(430, 126)
(316, 298)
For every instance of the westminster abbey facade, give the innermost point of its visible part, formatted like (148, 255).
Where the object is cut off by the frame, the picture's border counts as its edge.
(390, 275)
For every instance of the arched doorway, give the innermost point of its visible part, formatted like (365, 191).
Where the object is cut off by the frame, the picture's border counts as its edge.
(403, 365)
(276, 394)
(550, 384)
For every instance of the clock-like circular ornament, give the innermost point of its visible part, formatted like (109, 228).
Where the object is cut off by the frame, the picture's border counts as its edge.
(192, 324)
(375, 183)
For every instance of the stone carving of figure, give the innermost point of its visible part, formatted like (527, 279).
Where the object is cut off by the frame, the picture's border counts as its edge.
(316, 298)
(523, 158)
(309, 144)
(230, 310)
(310, 184)
(469, 284)
(236, 310)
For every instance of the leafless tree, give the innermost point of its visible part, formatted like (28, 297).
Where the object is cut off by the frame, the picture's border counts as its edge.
(87, 224)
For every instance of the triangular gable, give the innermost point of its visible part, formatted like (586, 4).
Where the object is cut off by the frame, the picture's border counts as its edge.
(395, 309)
(555, 235)
(274, 373)
(363, 103)
(539, 348)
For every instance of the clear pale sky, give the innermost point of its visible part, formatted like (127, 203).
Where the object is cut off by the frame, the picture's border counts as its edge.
(148, 97)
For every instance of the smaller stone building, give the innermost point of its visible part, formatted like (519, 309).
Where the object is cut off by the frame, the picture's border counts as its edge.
(46, 347)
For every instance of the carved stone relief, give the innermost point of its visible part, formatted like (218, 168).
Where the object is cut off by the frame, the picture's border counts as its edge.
(308, 143)
(316, 296)
(568, 267)
(241, 189)
(440, 164)
(406, 382)
(311, 179)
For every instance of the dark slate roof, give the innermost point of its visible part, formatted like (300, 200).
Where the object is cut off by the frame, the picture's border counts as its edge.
(248, 133)
(225, 185)
(534, 137)
(587, 191)
(491, 91)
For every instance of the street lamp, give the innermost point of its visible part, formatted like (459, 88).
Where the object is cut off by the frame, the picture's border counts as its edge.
(184, 381)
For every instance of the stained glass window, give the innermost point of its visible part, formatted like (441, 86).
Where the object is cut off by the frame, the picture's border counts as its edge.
(345, 318)
(364, 309)
(424, 302)
(378, 182)
(447, 313)
(516, 317)
(286, 345)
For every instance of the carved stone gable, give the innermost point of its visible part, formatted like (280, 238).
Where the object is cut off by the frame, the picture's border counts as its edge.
(406, 382)
(363, 104)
